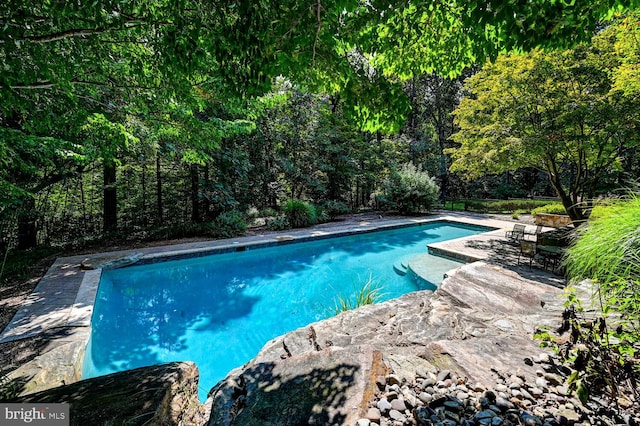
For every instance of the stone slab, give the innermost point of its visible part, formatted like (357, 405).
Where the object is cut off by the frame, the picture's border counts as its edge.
(164, 394)
(324, 387)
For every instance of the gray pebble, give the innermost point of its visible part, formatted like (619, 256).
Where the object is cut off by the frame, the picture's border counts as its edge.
(462, 395)
(544, 358)
(443, 375)
(373, 414)
(554, 379)
(425, 397)
(397, 415)
(504, 404)
(398, 404)
(383, 405)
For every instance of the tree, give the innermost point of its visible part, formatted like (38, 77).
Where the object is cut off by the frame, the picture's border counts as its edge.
(430, 123)
(63, 62)
(108, 140)
(553, 111)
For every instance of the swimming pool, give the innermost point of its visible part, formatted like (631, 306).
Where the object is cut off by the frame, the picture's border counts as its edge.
(219, 310)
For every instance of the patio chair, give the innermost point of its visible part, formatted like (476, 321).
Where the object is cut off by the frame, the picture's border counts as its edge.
(535, 233)
(516, 234)
(527, 249)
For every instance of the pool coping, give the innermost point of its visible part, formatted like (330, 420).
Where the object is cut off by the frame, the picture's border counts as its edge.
(61, 306)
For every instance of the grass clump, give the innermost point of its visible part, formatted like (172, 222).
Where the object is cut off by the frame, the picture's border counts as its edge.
(366, 292)
(300, 213)
(603, 350)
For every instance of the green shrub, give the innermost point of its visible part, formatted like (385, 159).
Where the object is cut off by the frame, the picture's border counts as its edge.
(504, 206)
(252, 213)
(321, 214)
(409, 190)
(229, 224)
(552, 208)
(278, 223)
(335, 208)
(268, 212)
(300, 213)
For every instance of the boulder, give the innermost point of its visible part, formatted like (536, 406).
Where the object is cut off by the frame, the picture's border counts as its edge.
(165, 394)
(324, 387)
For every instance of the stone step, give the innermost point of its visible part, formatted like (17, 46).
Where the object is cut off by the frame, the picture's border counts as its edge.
(400, 269)
(401, 266)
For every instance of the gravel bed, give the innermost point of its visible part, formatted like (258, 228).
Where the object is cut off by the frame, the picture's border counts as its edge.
(441, 399)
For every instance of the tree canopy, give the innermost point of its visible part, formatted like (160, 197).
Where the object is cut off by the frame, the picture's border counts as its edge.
(177, 76)
(150, 51)
(555, 111)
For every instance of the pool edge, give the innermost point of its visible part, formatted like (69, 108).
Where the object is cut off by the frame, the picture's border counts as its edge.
(77, 327)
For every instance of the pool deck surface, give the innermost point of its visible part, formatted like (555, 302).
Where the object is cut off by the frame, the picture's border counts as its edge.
(61, 305)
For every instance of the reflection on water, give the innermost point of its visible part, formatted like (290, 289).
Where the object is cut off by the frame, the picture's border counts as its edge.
(218, 311)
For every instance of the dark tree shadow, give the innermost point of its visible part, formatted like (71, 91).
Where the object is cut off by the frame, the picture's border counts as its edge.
(505, 254)
(261, 397)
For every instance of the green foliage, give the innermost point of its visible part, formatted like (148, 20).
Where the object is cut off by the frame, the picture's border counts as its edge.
(17, 265)
(626, 76)
(409, 190)
(549, 110)
(507, 206)
(598, 353)
(268, 212)
(607, 250)
(278, 223)
(365, 292)
(230, 224)
(252, 213)
(300, 213)
(9, 388)
(108, 139)
(143, 84)
(603, 351)
(334, 208)
(552, 208)
(321, 214)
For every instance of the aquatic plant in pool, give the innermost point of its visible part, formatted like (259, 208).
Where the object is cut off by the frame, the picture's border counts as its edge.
(219, 310)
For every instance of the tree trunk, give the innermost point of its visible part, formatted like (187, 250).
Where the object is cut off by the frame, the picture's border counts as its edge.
(442, 139)
(27, 229)
(143, 183)
(195, 194)
(206, 202)
(160, 207)
(110, 206)
(570, 204)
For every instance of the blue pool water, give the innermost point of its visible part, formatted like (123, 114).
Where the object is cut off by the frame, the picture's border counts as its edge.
(219, 310)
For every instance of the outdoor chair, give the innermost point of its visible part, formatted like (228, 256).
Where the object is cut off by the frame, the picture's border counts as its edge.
(529, 250)
(535, 233)
(516, 234)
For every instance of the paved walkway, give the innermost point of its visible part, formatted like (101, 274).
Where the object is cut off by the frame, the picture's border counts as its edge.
(62, 303)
